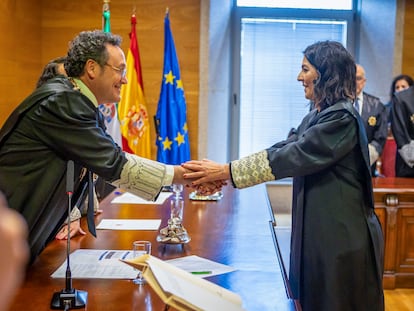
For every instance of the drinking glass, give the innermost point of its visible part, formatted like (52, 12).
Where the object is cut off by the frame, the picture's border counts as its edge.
(176, 209)
(177, 189)
(140, 248)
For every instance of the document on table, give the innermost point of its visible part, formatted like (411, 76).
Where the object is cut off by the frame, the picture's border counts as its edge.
(129, 198)
(98, 264)
(199, 266)
(106, 264)
(175, 285)
(129, 224)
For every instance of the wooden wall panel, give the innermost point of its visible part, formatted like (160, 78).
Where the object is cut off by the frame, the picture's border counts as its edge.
(20, 52)
(408, 41)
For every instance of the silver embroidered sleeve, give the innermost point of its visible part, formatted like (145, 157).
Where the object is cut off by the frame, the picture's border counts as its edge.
(251, 170)
(142, 177)
(407, 153)
(75, 214)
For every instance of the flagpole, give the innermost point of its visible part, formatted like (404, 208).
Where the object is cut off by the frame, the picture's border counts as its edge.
(106, 14)
(109, 110)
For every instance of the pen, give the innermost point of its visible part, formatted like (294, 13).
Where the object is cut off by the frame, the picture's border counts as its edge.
(201, 272)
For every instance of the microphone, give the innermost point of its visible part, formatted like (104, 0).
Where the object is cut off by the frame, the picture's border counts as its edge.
(70, 172)
(69, 298)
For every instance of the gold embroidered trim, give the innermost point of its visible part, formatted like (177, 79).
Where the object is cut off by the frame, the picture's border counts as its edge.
(251, 170)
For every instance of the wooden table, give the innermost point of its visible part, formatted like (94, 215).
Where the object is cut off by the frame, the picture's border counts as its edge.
(394, 205)
(234, 231)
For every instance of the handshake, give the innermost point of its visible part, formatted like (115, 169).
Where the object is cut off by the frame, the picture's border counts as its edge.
(204, 176)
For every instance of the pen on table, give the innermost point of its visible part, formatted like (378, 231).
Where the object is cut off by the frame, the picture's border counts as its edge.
(201, 272)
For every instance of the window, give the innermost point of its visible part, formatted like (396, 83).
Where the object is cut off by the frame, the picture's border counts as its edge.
(270, 99)
(298, 4)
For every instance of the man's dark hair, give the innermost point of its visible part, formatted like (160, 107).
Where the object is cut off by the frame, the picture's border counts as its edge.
(337, 72)
(89, 45)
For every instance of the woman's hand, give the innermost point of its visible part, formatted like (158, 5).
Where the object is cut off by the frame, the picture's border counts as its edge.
(75, 228)
(206, 171)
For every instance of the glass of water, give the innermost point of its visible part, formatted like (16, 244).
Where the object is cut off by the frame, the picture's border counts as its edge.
(140, 248)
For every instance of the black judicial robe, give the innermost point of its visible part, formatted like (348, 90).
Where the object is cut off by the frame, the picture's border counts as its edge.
(375, 119)
(402, 126)
(56, 123)
(337, 246)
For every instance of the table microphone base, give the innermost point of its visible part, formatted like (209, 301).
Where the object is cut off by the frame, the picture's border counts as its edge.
(66, 300)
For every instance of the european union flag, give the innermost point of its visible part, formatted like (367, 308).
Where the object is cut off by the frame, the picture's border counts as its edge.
(171, 118)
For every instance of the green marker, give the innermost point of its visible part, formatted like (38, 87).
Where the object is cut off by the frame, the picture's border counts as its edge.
(201, 272)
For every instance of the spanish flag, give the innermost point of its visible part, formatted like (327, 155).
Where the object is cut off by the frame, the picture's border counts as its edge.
(132, 110)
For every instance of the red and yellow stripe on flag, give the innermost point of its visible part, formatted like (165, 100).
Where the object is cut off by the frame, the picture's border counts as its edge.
(132, 109)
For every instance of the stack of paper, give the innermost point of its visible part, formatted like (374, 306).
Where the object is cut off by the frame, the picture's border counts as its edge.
(183, 290)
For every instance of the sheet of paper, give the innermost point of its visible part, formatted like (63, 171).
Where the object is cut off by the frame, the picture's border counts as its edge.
(199, 266)
(129, 198)
(97, 264)
(129, 224)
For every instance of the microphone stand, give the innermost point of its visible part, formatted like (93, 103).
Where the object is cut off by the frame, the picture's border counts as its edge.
(69, 298)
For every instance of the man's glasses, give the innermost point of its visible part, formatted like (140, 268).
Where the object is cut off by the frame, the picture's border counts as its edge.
(123, 72)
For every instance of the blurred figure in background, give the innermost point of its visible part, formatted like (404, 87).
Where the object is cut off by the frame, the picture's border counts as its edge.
(374, 116)
(403, 130)
(14, 252)
(52, 69)
(399, 83)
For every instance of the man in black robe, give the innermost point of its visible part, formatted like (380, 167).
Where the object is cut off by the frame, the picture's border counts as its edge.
(402, 126)
(60, 121)
(374, 116)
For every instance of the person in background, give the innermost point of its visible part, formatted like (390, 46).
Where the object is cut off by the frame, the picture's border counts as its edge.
(59, 122)
(337, 247)
(374, 116)
(403, 130)
(52, 69)
(399, 83)
(14, 250)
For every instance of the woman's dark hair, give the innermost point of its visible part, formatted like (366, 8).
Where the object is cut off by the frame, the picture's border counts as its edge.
(398, 78)
(336, 69)
(89, 45)
(50, 70)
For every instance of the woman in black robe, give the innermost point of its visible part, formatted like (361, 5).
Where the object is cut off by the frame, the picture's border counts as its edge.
(403, 130)
(336, 259)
